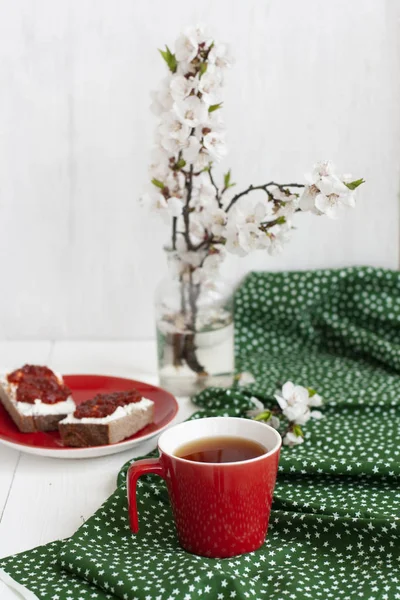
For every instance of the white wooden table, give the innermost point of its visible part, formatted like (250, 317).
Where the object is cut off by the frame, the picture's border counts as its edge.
(44, 499)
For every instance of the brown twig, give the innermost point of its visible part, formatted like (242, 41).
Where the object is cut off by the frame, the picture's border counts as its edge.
(189, 350)
(264, 187)
(174, 224)
(186, 208)
(217, 195)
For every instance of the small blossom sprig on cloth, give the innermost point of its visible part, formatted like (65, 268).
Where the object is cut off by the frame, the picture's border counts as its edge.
(295, 403)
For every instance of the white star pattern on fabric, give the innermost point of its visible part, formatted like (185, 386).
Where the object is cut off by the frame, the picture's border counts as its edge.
(335, 529)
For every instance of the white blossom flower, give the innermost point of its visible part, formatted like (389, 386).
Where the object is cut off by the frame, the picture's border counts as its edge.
(165, 208)
(175, 206)
(219, 56)
(216, 122)
(173, 145)
(172, 127)
(288, 209)
(191, 150)
(154, 200)
(196, 228)
(235, 242)
(162, 100)
(274, 422)
(190, 258)
(315, 400)
(218, 221)
(307, 199)
(202, 190)
(278, 235)
(215, 145)
(324, 168)
(210, 88)
(209, 269)
(332, 203)
(316, 414)
(298, 413)
(175, 183)
(202, 161)
(202, 35)
(186, 46)
(289, 203)
(159, 167)
(293, 401)
(242, 239)
(181, 87)
(326, 193)
(247, 378)
(213, 262)
(191, 111)
(259, 407)
(213, 218)
(292, 394)
(186, 68)
(291, 439)
(243, 232)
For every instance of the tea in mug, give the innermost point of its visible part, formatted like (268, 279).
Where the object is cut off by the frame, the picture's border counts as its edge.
(220, 449)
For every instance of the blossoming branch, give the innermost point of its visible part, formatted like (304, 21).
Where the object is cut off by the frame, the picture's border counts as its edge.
(207, 218)
(190, 139)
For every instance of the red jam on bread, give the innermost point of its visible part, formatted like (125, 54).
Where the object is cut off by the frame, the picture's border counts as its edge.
(38, 383)
(28, 371)
(103, 405)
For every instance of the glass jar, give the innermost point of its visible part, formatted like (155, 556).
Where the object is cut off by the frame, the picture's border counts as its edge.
(194, 321)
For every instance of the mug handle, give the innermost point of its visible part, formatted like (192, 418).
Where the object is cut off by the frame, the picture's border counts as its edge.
(136, 470)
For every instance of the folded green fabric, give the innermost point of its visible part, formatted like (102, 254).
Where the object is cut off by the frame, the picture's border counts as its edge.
(335, 527)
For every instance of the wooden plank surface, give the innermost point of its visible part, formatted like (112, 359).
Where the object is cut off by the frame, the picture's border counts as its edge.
(64, 493)
(12, 354)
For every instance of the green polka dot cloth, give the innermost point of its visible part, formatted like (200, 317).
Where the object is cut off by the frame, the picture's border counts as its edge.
(335, 528)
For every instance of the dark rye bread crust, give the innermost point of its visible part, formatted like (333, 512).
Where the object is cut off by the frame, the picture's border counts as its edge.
(81, 435)
(29, 424)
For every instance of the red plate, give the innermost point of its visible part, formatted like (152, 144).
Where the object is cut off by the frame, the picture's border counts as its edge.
(83, 388)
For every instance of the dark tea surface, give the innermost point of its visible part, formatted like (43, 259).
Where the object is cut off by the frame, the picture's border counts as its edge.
(222, 449)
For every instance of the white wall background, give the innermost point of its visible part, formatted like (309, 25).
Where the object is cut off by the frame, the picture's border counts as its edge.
(312, 79)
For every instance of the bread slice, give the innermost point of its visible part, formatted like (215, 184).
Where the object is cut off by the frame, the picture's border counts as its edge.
(121, 424)
(34, 417)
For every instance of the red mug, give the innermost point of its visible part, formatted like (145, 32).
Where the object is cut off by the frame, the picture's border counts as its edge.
(220, 509)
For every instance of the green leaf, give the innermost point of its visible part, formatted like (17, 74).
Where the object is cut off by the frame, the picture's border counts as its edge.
(180, 164)
(264, 416)
(203, 68)
(298, 431)
(354, 184)
(280, 220)
(169, 58)
(214, 107)
(227, 178)
(157, 183)
(311, 392)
